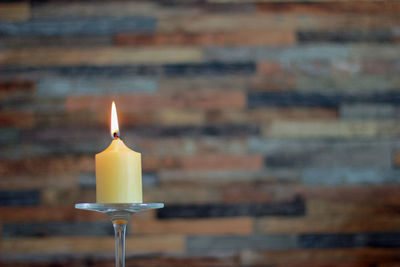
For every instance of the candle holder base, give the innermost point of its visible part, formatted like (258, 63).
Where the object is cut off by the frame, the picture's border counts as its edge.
(119, 214)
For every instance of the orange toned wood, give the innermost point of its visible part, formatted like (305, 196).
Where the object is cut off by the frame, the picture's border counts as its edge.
(350, 207)
(71, 119)
(183, 117)
(382, 194)
(232, 162)
(328, 224)
(396, 159)
(37, 214)
(272, 82)
(125, 103)
(154, 163)
(59, 213)
(16, 88)
(48, 165)
(31, 181)
(269, 68)
(389, 264)
(329, 7)
(246, 192)
(146, 102)
(17, 119)
(182, 261)
(235, 38)
(323, 257)
(18, 11)
(207, 100)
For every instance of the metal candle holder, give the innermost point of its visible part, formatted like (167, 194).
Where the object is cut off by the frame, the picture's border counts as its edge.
(119, 214)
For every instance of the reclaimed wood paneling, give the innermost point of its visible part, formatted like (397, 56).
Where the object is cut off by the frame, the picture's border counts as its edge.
(269, 129)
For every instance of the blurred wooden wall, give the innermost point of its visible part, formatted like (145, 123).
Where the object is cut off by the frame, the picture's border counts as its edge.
(270, 130)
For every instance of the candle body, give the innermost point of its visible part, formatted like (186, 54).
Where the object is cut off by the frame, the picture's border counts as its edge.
(118, 174)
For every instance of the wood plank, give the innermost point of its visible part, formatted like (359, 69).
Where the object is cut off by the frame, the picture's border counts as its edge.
(384, 196)
(217, 23)
(79, 245)
(22, 120)
(37, 166)
(97, 56)
(182, 195)
(10, 42)
(146, 102)
(328, 224)
(329, 7)
(17, 11)
(59, 213)
(323, 129)
(185, 146)
(220, 226)
(352, 207)
(116, 9)
(213, 162)
(324, 257)
(264, 115)
(235, 38)
(78, 26)
(17, 89)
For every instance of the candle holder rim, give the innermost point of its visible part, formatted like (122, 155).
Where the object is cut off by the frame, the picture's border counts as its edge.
(107, 207)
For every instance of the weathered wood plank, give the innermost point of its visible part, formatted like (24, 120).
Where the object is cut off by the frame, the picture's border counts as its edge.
(164, 243)
(294, 207)
(217, 23)
(97, 56)
(325, 257)
(18, 41)
(331, 129)
(235, 38)
(328, 224)
(324, 153)
(20, 198)
(143, 102)
(201, 244)
(228, 226)
(84, 26)
(329, 7)
(17, 11)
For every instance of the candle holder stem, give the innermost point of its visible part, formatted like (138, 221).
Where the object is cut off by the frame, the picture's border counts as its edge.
(120, 231)
(119, 215)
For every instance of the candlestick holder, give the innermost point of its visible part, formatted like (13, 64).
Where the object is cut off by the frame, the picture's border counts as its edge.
(119, 214)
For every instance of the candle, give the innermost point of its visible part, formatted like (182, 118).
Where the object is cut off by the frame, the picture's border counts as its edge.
(118, 170)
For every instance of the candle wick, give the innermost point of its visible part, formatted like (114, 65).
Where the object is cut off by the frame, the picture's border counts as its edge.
(116, 135)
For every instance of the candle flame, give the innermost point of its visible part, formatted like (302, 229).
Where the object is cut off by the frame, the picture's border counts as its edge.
(114, 121)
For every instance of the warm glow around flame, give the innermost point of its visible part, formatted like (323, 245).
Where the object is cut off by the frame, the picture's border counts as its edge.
(114, 121)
